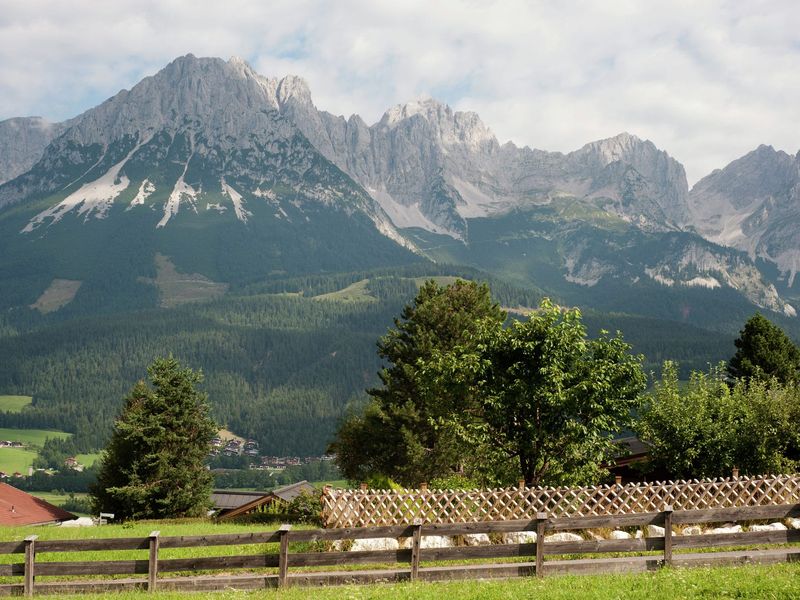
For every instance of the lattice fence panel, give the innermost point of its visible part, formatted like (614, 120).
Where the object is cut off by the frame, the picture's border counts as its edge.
(364, 508)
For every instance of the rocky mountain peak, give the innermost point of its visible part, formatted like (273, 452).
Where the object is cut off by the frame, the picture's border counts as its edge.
(452, 127)
(293, 87)
(23, 141)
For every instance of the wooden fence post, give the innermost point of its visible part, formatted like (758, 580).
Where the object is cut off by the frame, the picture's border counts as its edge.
(152, 564)
(283, 557)
(416, 541)
(668, 535)
(541, 525)
(30, 560)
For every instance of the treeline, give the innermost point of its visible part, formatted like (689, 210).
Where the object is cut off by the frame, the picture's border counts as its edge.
(323, 470)
(280, 366)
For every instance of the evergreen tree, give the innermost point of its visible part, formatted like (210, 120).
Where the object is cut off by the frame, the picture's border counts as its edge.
(764, 351)
(399, 435)
(154, 465)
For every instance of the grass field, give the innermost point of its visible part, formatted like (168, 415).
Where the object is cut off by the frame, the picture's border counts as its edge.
(355, 292)
(87, 460)
(16, 459)
(56, 499)
(33, 437)
(748, 581)
(14, 404)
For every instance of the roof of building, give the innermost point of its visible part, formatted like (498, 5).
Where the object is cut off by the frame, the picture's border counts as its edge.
(226, 500)
(20, 508)
(286, 493)
(293, 490)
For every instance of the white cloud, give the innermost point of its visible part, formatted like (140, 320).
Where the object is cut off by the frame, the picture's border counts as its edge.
(707, 81)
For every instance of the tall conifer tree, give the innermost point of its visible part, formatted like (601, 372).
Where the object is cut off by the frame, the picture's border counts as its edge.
(154, 465)
(764, 351)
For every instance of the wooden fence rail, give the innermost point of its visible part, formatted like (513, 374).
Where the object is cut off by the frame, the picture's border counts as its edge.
(365, 508)
(405, 564)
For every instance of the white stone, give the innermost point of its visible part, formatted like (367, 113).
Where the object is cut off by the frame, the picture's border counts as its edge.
(620, 535)
(520, 537)
(731, 529)
(769, 527)
(430, 541)
(693, 530)
(655, 531)
(563, 536)
(477, 539)
(436, 541)
(794, 523)
(79, 522)
(374, 544)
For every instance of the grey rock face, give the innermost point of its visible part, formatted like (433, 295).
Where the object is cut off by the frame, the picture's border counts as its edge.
(753, 205)
(431, 167)
(23, 141)
(219, 114)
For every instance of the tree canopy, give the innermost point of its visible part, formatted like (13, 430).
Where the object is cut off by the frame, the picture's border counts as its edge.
(764, 351)
(399, 434)
(549, 400)
(708, 427)
(465, 396)
(154, 465)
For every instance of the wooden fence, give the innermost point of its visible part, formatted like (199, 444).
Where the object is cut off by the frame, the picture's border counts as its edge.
(364, 508)
(271, 568)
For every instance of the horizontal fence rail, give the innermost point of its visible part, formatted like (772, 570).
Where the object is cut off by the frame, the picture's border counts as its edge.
(403, 562)
(365, 508)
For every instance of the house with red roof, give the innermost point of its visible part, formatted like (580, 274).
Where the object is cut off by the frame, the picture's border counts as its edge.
(20, 508)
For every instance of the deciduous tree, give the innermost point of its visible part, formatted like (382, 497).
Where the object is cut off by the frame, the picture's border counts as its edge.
(551, 400)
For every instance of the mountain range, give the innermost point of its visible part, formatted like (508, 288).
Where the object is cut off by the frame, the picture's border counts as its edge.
(187, 212)
(209, 144)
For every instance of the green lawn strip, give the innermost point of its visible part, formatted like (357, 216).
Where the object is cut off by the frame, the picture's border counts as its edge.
(87, 460)
(34, 437)
(14, 404)
(132, 530)
(206, 527)
(56, 498)
(14, 460)
(746, 581)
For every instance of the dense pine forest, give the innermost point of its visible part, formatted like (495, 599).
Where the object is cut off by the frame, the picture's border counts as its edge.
(284, 360)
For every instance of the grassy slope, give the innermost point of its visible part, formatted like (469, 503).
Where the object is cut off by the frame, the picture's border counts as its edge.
(355, 292)
(16, 459)
(35, 437)
(14, 404)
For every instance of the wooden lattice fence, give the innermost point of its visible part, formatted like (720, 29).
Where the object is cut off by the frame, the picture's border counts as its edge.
(365, 508)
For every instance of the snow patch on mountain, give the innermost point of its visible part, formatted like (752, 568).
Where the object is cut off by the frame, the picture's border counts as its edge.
(237, 200)
(95, 197)
(145, 190)
(182, 192)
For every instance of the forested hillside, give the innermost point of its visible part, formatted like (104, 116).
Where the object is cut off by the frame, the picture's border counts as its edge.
(284, 360)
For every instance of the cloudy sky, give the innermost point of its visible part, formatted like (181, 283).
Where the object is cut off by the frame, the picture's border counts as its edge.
(706, 80)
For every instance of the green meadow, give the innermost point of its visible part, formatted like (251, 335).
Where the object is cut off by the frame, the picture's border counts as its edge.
(14, 404)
